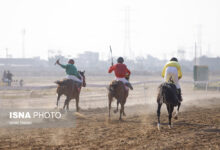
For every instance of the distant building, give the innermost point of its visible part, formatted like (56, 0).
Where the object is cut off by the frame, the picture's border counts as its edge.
(88, 56)
(88, 60)
(22, 62)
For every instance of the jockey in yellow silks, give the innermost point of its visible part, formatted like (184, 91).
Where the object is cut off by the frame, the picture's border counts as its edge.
(172, 70)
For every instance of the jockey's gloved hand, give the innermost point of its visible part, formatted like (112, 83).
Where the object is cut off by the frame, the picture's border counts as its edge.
(58, 62)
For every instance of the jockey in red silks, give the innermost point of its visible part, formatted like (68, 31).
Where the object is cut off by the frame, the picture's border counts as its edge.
(121, 72)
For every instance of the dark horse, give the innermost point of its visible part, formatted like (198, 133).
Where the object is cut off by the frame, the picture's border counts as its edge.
(169, 95)
(71, 90)
(118, 91)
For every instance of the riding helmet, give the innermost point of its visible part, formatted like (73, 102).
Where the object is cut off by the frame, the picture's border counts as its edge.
(120, 60)
(174, 59)
(71, 61)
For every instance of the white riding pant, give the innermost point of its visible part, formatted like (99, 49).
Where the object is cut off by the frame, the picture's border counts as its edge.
(122, 80)
(74, 78)
(171, 72)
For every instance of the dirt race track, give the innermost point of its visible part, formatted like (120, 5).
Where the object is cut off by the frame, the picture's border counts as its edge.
(198, 125)
(196, 128)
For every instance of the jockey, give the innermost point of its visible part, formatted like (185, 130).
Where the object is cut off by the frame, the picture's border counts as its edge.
(71, 71)
(172, 70)
(121, 72)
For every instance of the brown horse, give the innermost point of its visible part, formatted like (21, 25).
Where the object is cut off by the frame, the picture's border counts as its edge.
(118, 91)
(71, 90)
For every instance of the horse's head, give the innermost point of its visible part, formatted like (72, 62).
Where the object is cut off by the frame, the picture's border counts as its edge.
(82, 73)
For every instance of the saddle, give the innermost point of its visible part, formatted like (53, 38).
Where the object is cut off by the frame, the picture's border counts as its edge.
(66, 82)
(178, 91)
(115, 83)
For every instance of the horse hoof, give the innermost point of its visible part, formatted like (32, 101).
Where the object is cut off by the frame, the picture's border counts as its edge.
(176, 117)
(169, 126)
(115, 111)
(158, 126)
(65, 110)
(62, 111)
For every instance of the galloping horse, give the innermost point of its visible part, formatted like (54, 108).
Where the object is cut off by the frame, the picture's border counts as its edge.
(70, 89)
(117, 90)
(168, 95)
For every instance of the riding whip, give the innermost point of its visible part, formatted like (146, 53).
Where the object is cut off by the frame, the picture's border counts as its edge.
(111, 54)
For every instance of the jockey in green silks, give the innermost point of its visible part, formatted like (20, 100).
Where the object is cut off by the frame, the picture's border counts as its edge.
(71, 71)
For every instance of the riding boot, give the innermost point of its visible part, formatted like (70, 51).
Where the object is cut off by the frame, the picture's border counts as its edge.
(129, 85)
(179, 94)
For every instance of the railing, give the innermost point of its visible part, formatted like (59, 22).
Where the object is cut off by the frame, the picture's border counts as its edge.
(206, 83)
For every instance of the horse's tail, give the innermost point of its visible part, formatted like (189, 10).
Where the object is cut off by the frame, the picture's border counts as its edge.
(168, 94)
(64, 82)
(58, 82)
(61, 87)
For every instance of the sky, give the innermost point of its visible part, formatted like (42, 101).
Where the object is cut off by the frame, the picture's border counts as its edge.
(156, 27)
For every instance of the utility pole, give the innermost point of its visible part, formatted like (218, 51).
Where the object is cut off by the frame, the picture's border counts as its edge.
(23, 43)
(199, 39)
(209, 51)
(127, 41)
(6, 52)
(195, 54)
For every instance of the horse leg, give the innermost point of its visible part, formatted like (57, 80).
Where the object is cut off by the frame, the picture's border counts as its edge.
(109, 104)
(121, 110)
(158, 115)
(77, 103)
(58, 98)
(177, 111)
(170, 111)
(116, 110)
(124, 114)
(65, 103)
(68, 102)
